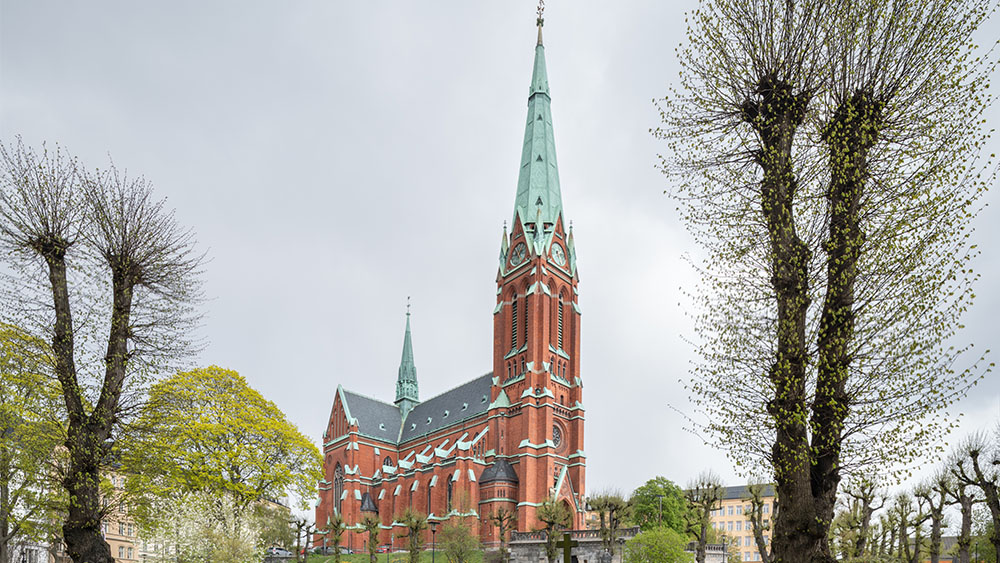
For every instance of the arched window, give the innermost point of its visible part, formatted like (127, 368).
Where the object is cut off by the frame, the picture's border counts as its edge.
(428, 498)
(552, 365)
(559, 322)
(338, 486)
(526, 317)
(450, 485)
(513, 322)
(387, 461)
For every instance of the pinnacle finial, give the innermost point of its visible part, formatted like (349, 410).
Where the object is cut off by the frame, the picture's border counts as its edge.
(540, 21)
(407, 305)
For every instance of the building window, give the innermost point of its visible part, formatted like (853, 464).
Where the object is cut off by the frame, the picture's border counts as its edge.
(513, 322)
(121, 528)
(730, 510)
(450, 485)
(428, 500)
(338, 487)
(559, 333)
(130, 552)
(121, 552)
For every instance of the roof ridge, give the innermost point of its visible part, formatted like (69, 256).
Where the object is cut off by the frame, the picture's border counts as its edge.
(478, 377)
(370, 398)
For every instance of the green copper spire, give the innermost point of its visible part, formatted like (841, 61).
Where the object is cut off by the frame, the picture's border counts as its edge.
(538, 196)
(407, 394)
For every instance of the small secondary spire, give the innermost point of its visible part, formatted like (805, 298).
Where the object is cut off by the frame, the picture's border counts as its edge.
(407, 393)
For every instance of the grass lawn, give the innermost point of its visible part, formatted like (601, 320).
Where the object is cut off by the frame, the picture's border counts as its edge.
(425, 557)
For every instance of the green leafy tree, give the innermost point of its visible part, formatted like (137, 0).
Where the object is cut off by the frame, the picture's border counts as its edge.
(826, 156)
(659, 502)
(215, 435)
(657, 545)
(458, 543)
(103, 271)
(372, 525)
(30, 431)
(554, 517)
(415, 524)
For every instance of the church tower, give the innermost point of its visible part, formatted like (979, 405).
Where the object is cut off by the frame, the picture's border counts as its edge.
(536, 325)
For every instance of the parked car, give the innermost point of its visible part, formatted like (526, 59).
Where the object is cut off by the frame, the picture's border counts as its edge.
(275, 551)
(386, 548)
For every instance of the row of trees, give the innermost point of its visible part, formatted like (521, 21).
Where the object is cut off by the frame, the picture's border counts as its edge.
(826, 155)
(875, 526)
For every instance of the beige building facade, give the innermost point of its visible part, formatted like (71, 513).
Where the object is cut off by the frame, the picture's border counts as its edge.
(732, 520)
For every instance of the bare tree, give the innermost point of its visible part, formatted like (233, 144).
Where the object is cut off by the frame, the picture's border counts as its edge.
(756, 518)
(703, 495)
(112, 261)
(977, 464)
(935, 495)
(826, 159)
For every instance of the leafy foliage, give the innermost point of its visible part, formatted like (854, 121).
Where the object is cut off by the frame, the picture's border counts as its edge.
(648, 499)
(31, 428)
(216, 437)
(658, 545)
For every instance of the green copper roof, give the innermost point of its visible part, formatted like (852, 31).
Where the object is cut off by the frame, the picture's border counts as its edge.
(407, 394)
(538, 195)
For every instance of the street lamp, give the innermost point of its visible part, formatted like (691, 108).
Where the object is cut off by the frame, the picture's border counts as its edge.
(434, 526)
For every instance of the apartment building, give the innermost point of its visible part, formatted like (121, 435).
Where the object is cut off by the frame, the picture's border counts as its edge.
(732, 519)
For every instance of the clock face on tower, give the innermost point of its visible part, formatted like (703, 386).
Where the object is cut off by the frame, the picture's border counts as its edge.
(558, 254)
(517, 255)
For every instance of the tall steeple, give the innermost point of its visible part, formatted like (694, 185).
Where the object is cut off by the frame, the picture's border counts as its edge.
(407, 394)
(538, 196)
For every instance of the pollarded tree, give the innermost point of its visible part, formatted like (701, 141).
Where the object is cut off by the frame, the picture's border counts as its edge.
(826, 155)
(415, 524)
(555, 517)
(612, 510)
(505, 520)
(108, 277)
(976, 463)
(703, 496)
(371, 524)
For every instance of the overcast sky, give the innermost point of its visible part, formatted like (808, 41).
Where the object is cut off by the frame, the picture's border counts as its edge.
(336, 157)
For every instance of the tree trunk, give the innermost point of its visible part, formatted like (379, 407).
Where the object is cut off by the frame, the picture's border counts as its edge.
(798, 535)
(965, 534)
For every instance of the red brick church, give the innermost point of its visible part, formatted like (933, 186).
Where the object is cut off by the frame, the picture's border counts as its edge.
(510, 438)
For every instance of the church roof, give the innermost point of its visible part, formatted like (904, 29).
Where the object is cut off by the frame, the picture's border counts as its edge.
(384, 421)
(538, 194)
(375, 418)
(501, 470)
(469, 399)
(367, 504)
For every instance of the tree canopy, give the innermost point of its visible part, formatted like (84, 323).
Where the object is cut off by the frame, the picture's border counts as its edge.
(648, 499)
(31, 429)
(215, 437)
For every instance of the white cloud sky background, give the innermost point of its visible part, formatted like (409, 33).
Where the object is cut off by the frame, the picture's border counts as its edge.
(334, 158)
